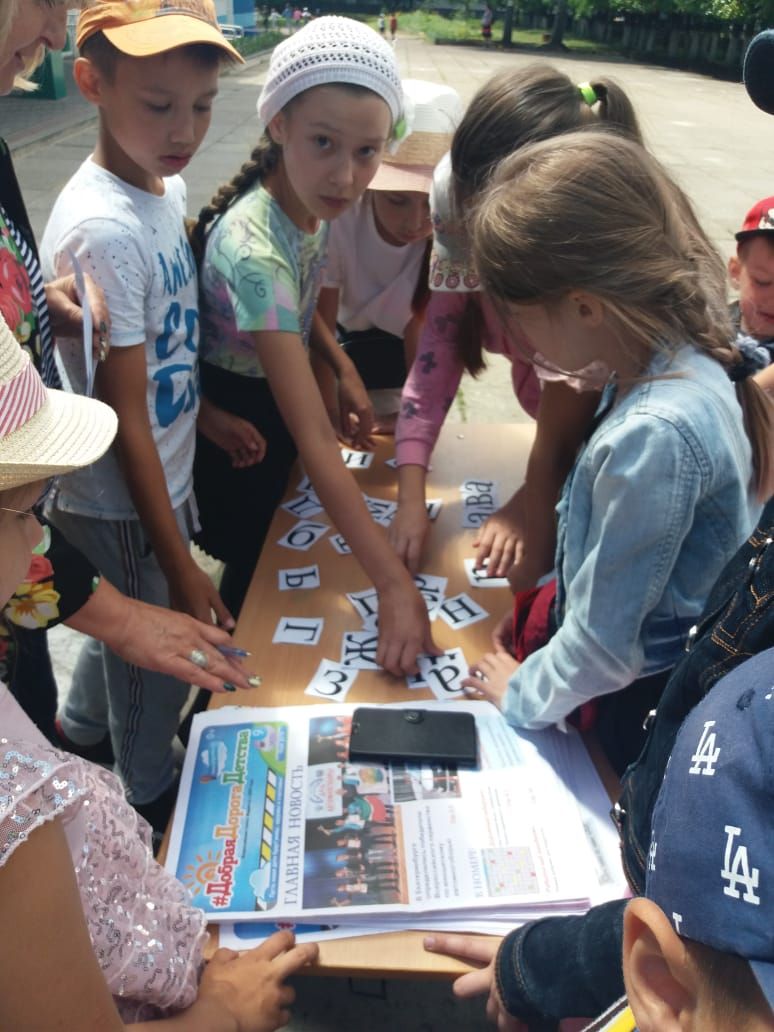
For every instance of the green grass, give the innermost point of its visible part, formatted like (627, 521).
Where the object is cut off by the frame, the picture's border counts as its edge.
(439, 30)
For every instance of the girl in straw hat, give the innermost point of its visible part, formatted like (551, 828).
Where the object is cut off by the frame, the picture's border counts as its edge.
(331, 103)
(74, 855)
(375, 279)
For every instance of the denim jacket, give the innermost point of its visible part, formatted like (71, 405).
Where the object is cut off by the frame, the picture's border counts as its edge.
(659, 500)
(737, 622)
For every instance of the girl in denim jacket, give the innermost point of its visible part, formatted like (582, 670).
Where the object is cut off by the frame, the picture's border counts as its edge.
(594, 255)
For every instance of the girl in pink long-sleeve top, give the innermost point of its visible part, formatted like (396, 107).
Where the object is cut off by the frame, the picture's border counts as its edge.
(462, 324)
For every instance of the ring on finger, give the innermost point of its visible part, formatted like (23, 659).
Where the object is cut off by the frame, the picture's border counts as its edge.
(198, 658)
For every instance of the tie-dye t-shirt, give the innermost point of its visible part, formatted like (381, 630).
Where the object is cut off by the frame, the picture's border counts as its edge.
(260, 272)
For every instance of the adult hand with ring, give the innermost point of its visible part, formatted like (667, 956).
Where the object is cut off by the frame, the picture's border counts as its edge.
(198, 658)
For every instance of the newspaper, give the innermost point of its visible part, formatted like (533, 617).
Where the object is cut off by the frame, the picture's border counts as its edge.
(274, 823)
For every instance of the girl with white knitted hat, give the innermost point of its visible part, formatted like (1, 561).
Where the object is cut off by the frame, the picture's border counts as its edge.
(331, 104)
(375, 282)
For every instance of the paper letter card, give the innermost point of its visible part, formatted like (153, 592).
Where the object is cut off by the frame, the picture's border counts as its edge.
(478, 578)
(432, 589)
(299, 577)
(479, 501)
(331, 681)
(382, 510)
(298, 630)
(357, 459)
(304, 535)
(304, 506)
(444, 673)
(461, 611)
(340, 544)
(358, 650)
(366, 605)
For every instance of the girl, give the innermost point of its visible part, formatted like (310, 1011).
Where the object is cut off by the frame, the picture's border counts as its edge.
(330, 104)
(74, 855)
(664, 490)
(375, 278)
(512, 109)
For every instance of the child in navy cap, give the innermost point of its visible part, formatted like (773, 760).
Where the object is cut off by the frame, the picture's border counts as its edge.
(699, 947)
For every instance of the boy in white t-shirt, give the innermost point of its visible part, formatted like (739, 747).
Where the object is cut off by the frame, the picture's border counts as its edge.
(375, 280)
(152, 72)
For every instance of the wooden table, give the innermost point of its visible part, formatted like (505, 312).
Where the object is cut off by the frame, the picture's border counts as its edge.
(491, 451)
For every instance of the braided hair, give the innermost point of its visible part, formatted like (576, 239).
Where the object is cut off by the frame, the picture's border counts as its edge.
(264, 158)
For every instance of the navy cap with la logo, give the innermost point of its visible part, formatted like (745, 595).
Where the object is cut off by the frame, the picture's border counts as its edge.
(710, 866)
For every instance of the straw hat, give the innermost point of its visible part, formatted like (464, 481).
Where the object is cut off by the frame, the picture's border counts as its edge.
(436, 111)
(44, 432)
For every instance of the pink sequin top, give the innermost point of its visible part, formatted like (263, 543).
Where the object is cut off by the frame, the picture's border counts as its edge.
(147, 937)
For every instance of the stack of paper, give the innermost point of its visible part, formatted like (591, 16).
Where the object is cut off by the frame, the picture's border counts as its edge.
(274, 824)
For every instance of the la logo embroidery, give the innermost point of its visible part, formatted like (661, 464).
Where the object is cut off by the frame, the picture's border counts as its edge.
(678, 920)
(706, 755)
(737, 871)
(652, 856)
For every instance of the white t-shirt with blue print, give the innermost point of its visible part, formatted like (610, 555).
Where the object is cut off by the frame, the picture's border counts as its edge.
(133, 244)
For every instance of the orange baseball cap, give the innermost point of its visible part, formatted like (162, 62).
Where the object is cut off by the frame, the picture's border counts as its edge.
(142, 28)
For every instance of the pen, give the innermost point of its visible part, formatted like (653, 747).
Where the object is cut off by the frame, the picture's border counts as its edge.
(232, 650)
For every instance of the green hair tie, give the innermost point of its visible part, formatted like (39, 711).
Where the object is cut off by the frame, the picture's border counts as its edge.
(400, 130)
(588, 93)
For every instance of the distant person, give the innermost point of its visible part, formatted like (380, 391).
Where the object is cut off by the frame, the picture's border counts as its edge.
(274, 20)
(751, 271)
(486, 24)
(393, 26)
(381, 23)
(287, 14)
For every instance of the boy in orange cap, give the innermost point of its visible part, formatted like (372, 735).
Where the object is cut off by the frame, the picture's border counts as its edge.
(151, 69)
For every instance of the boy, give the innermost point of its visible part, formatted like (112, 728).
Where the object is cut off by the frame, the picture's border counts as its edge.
(151, 70)
(698, 950)
(751, 271)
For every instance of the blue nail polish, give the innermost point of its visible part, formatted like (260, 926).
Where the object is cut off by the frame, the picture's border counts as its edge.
(229, 686)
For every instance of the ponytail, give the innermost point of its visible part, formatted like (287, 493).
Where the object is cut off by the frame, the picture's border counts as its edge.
(263, 159)
(614, 108)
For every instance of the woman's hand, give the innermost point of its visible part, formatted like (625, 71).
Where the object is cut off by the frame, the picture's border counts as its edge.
(65, 309)
(408, 533)
(483, 952)
(488, 678)
(501, 538)
(247, 992)
(160, 639)
(236, 436)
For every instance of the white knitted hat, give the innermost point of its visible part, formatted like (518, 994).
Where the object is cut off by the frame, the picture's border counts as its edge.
(327, 51)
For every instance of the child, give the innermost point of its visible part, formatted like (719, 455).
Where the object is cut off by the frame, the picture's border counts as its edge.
(697, 946)
(751, 271)
(698, 950)
(330, 103)
(393, 27)
(461, 324)
(663, 491)
(73, 854)
(486, 25)
(375, 278)
(122, 216)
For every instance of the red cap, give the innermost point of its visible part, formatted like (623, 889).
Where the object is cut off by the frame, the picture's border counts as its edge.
(759, 219)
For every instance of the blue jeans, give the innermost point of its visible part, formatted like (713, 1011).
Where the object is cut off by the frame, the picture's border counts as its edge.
(139, 708)
(571, 967)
